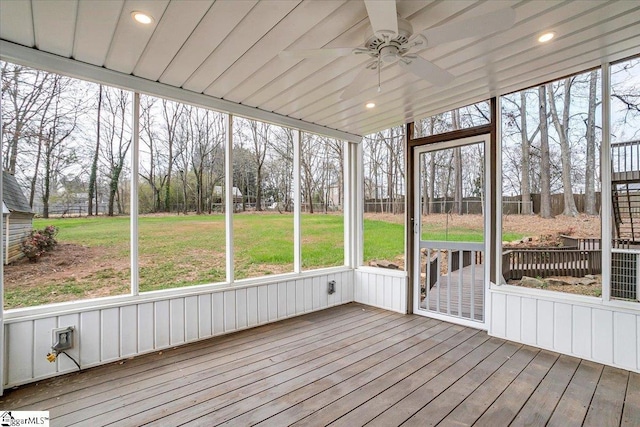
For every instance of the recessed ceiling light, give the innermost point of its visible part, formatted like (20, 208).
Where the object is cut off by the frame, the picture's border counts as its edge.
(370, 105)
(142, 17)
(546, 37)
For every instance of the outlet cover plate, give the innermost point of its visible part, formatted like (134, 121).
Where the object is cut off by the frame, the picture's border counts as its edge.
(62, 338)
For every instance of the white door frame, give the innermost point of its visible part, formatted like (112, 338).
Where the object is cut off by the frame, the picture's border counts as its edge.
(417, 227)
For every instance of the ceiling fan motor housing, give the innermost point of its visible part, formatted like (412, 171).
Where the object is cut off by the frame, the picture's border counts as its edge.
(388, 48)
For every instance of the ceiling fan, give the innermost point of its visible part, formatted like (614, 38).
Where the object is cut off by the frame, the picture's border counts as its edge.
(392, 40)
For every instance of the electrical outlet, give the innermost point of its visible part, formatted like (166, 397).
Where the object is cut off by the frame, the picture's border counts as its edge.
(332, 287)
(63, 338)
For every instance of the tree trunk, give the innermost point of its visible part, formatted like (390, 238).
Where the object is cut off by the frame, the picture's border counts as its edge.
(425, 185)
(590, 173)
(184, 195)
(94, 164)
(525, 165)
(562, 128)
(432, 180)
(545, 164)
(259, 188)
(457, 156)
(47, 179)
(113, 188)
(34, 179)
(457, 166)
(430, 164)
(171, 122)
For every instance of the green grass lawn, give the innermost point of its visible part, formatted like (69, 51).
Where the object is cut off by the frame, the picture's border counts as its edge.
(184, 250)
(177, 251)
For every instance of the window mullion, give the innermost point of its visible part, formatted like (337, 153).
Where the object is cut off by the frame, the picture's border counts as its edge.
(297, 226)
(229, 196)
(133, 215)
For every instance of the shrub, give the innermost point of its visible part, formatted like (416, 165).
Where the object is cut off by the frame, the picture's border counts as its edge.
(49, 234)
(39, 242)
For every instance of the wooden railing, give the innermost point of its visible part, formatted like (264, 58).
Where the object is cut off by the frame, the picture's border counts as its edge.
(466, 259)
(570, 242)
(517, 263)
(625, 159)
(433, 270)
(455, 263)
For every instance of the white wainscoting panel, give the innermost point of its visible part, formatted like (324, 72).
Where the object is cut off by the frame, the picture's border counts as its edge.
(116, 331)
(577, 326)
(381, 288)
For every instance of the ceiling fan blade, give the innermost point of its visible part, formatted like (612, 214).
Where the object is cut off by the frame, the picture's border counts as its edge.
(383, 16)
(355, 87)
(334, 52)
(426, 70)
(478, 26)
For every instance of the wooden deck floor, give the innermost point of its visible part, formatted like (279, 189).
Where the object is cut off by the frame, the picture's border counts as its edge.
(456, 288)
(345, 366)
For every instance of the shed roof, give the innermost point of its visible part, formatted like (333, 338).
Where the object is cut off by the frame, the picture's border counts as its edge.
(13, 197)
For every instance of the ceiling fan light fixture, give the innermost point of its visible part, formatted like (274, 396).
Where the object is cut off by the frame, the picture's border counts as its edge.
(546, 37)
(388, 54)
(141, 17)
(370, 105)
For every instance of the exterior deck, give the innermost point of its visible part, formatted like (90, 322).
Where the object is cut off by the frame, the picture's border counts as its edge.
(348, 365)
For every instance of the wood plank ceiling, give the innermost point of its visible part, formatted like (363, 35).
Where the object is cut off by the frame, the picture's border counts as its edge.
(229, 50)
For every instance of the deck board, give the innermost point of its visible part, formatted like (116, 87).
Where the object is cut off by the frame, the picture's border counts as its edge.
(631, 412)
(506, 407)
(215, 385)
(544, 400)
(434, 411)
(576, 399)
(608, 400)
(457, 288)
(472, 408)
(345, 366)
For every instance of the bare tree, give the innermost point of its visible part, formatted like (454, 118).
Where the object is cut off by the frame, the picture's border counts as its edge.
(526, 162)
(93, 191)
(117, 141)
(259, 132)
(172, 113)
(457, 166)
(562, 128)
(590, 173)
(25, 93)
(55, 152)
(307, 160)
(45, 118)
(281, 168)
(545, 164)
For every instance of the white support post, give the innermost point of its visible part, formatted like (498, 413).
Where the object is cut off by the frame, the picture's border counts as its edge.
(133, 215)
(229, 196)
(358, 203)
(297, 203)
(347, 205)
(406, 268)
(495, 210)
(605, 182)
(2, 258)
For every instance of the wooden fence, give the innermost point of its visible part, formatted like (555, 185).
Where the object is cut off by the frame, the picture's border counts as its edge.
(517, 263)
(557, 203)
